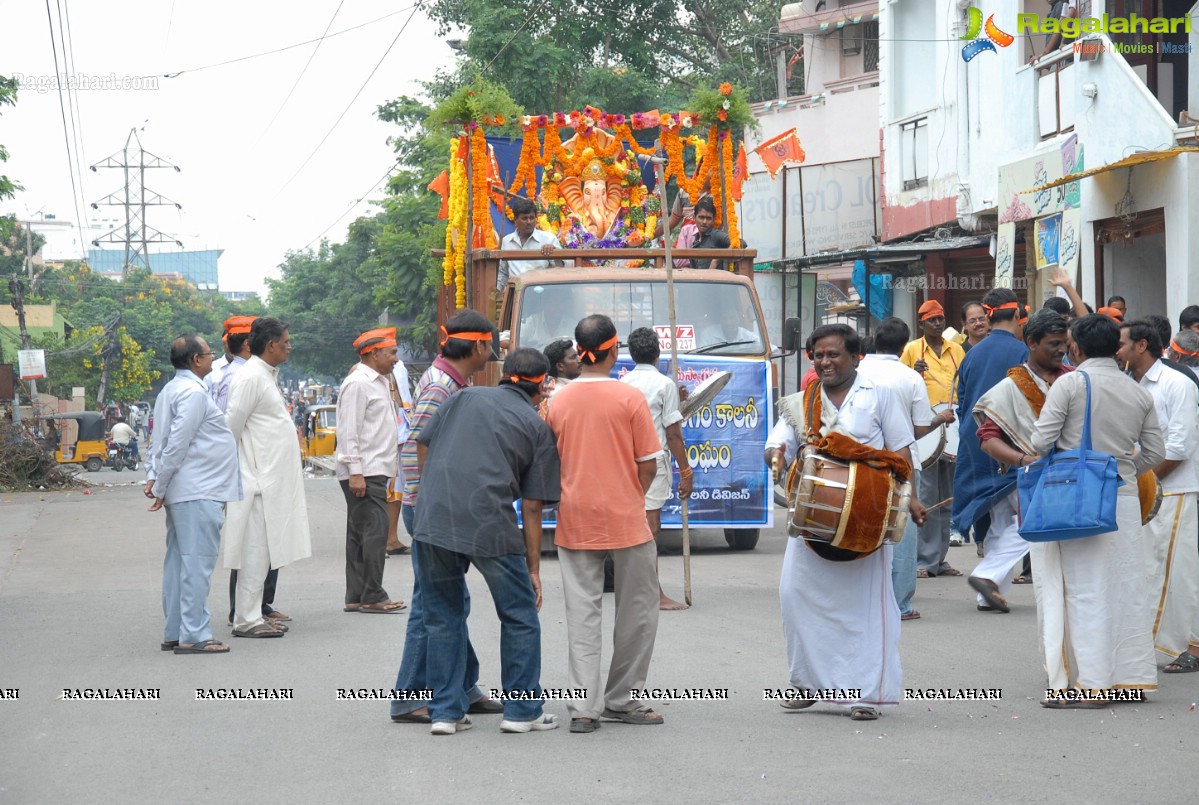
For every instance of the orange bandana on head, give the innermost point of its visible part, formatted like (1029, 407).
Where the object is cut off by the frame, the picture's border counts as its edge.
(534, 380)
(446, 336)
(1112, 313)
(1174, 346)
(930, 309)
(590, 355)
(1005, 306)
(375, 339)
(239, 325)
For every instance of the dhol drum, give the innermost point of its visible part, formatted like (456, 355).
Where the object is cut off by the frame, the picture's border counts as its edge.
(845, 509)
(1149, 492)
(951, 434)
(931, 445)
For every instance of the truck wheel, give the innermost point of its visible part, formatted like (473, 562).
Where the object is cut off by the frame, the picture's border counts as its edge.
(741, 539)
(94, 464)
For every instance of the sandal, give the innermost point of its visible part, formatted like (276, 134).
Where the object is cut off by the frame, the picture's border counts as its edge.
(990, 593)
(949, 571)
(1022, 580)
(797, 704)
(261, 630)
(383, 608)
(584, 724)
(860, 713)
(167, 645)
(203, 647)
(911, 616)
(1184, 663)
(638, 715)
(923, 574)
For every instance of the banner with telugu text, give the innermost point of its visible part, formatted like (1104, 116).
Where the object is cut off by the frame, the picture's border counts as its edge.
(725, 441)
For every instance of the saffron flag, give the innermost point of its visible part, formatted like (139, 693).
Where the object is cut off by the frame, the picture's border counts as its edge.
(781, 150)
(740, 173)
(441, 186)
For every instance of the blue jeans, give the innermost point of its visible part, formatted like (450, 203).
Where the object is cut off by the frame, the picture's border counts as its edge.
(193, 536)
(903, 561)
(442, 575)
(412, 674)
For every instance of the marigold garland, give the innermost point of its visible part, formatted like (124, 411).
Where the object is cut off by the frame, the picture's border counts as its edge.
(454, 263)
(483, 234)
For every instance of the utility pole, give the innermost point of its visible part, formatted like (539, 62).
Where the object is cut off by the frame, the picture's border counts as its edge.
(17, 286)
(135, 197)
(106, 357)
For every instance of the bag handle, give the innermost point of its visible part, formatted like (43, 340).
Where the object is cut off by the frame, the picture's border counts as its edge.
(1086, 421)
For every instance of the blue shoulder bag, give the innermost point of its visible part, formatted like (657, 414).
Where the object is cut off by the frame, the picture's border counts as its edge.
(1069, 494)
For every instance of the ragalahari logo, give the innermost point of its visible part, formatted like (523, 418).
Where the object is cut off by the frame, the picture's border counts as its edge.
(976, 44)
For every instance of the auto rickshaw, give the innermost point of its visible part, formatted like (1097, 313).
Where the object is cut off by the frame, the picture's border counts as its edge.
(90, 447)
(320, 431)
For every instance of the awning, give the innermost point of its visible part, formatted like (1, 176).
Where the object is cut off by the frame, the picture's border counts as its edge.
(891, 252)
(1139, 158)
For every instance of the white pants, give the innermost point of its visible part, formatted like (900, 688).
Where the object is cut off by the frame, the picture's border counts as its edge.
(1005, 546)
(1170, 547)
(255, 564)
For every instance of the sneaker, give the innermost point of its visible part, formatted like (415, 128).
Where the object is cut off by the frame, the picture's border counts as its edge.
(450, 727)
(956, 539)
(546, 722)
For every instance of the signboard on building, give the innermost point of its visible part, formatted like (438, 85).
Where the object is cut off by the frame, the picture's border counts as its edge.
(1056, 211)
(32, 363)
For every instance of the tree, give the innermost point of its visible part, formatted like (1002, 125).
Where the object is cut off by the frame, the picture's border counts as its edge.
(551, 54)
(8, 188)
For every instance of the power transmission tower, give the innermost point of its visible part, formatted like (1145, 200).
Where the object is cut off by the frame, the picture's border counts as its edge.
(135, 197)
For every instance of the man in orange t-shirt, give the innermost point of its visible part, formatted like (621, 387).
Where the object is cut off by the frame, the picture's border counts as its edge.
(609, 448)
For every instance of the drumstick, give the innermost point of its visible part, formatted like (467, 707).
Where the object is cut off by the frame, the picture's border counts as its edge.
(936, 506)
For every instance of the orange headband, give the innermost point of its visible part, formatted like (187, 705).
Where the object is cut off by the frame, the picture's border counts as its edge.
(446, 336)
(375, 339)
(1112, 313)
(238, 325)
(1174, 346)
(535, 380)
(1005, 306)
(590, 355)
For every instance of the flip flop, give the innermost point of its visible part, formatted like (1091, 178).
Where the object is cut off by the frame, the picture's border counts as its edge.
(923, 574)
(203, 648)
(383, 608)
(1022, 580)
(351, 607)
(911, 616)
(860, 713)
(412, 718)
(990, 593)
(949, 571)
(167, 645)
(584, 724)
(261, 630)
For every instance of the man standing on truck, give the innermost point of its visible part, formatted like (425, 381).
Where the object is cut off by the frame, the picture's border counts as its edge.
(704, 235)
(663, 398)
(529, 238)
(609, 450)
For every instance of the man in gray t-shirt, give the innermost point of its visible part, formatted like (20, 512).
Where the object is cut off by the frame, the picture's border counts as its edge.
(481, 451)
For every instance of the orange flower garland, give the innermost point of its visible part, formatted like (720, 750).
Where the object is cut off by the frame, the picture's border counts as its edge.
(734, 235)
(526, 171)
(483, 234)
(454, 263)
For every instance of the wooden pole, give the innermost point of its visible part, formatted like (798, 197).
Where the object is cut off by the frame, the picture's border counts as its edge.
(660, 173)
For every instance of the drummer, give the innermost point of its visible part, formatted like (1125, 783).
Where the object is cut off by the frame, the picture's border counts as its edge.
(1006, 417)
(977, 482)
(840, 619)
(885, 369)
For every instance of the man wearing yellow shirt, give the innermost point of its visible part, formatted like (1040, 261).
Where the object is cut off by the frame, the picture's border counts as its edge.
(937, 360)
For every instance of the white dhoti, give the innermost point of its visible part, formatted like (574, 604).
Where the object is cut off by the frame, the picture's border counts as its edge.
(1173, 571)
(841, 623)
(255, 564)
(1005, 546)
(1093, 607)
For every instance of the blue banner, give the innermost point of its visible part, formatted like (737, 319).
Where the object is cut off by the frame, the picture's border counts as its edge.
(725, 441)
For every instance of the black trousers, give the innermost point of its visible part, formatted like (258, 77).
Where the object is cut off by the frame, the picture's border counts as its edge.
(268, 592)
(366, 541)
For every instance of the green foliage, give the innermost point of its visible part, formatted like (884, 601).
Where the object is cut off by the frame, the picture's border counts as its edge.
(8, 188)
(480, 101)
(709, 102)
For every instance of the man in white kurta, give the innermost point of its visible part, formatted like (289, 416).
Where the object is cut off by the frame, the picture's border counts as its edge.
(1092, 593)
(1170, 537)
(269, 527)
(840, 619)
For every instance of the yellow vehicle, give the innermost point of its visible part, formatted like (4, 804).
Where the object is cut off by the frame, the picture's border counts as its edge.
(90, 447)
(320, 431)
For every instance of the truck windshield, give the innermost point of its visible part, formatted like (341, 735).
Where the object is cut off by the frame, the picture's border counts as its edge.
(717, 318)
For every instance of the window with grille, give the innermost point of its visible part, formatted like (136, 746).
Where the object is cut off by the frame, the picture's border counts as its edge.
(869, 47)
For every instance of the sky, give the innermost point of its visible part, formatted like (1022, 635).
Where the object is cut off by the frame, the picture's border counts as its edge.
(243, 183)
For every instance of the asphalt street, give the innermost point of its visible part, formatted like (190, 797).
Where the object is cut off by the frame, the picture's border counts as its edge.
(80, 607)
